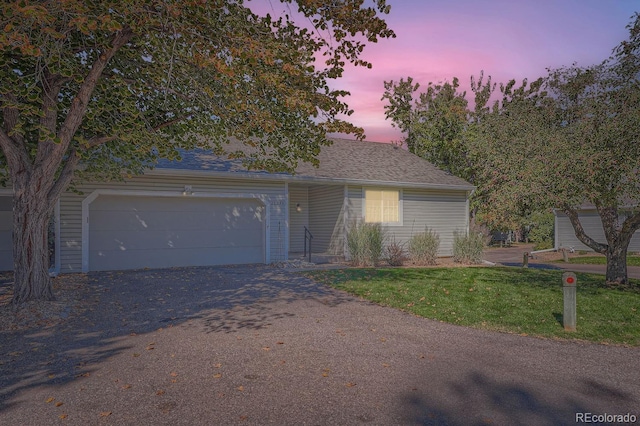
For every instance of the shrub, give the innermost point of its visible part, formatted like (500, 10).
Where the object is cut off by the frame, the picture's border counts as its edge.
(468, 248)
(541, 232)
(365, 242)
(395, 253)
(424, 246)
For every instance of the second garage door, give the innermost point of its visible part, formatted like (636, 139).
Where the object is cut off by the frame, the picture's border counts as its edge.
(157, 232)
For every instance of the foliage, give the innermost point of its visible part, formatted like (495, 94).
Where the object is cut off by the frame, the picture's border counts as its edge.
(423, 247)
(540, 226)
(434, 123)
(103, 89)
(395, 253)
(515, 300)
(365, 242)
(468, 248)
(570, 139)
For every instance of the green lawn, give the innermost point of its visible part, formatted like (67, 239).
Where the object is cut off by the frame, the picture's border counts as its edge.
(600, 260)
(515, 300)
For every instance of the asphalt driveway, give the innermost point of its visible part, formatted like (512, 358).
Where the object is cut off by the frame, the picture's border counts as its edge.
(258, 345)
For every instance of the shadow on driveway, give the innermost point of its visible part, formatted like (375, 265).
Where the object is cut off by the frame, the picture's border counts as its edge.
(257, 345)
(121, 304)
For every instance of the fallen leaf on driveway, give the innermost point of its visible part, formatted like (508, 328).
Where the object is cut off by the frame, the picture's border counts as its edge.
(58, 404)
(350, 385)
(159, 392)
(218, 365)
(241, 388)
(174, 374)
(63, 416)
(217, 376)
(127, 386)
(266, 348)
(105, 414)
(49, 400)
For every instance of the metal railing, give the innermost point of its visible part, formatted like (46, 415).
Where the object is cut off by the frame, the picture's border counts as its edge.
(307, 237)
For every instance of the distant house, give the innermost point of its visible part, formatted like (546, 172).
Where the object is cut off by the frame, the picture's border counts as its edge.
(207, 210)
(565, 236)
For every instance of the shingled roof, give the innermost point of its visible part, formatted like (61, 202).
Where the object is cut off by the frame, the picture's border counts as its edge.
(345, 161)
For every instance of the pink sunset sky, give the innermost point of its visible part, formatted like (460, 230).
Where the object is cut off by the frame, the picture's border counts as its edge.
(441, 39)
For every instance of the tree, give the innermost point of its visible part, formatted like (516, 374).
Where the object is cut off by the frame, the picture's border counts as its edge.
(439, 125)
(104, 88)
(434, 123)
(570, 139)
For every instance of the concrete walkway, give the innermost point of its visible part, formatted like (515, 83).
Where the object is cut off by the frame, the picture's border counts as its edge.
(257, 346)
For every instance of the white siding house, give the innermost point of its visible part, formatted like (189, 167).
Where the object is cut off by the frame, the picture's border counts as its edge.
(208, 210)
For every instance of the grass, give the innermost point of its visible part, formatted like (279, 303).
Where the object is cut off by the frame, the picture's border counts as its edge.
(523, 301)
(599, 260)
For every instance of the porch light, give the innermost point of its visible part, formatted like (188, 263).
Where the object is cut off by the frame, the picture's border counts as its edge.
(298, 208)
(187, 190)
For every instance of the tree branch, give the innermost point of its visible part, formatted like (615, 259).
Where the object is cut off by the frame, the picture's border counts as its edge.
(51, 85)
(572, 214)
(11, 116)
(631, 224)
(15, 153)
(81, 101)
(63, 180)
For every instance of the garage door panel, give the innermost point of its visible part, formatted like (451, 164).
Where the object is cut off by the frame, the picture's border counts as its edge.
(158, 258)
(105, 220)
(154, 232)
(142, 240)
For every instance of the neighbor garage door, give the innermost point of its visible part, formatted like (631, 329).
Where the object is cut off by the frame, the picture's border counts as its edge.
(6, 226)
(157, 232)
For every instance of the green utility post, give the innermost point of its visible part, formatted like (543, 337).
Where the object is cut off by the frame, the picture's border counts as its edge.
(569, 282)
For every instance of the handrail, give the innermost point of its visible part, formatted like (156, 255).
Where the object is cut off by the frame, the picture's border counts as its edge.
(307, 236)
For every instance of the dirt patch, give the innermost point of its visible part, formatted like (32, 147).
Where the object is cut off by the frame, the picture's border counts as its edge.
(69, 291)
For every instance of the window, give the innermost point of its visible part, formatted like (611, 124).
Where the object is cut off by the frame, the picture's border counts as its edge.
(382, 206)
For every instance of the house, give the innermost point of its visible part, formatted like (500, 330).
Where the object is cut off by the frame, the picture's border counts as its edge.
(565, 236)
(207, 210)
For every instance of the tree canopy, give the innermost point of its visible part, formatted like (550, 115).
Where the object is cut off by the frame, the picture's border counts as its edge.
(101, 88)
(570, 140)
(565, 141)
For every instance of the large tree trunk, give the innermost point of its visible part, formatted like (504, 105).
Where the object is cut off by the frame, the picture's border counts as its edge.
(618, 238)
(617, 264)
(31, 215)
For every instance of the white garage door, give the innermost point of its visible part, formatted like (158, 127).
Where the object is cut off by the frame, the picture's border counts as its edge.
(157, 232)
(6, 227)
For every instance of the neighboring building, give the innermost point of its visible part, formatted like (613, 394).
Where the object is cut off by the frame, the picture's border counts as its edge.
(565, 236)
(206, 210)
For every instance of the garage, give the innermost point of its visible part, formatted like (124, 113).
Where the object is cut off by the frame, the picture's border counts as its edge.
(132, 232)
(6, 226)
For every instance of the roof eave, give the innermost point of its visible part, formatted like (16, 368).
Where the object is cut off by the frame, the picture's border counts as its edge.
(310, 179)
